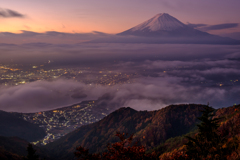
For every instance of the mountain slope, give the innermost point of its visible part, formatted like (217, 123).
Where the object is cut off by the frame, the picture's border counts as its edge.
(156, 126)
(12, 126)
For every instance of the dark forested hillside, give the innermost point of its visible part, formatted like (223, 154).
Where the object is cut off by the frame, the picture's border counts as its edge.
(6, 155)
(150, 128)
(13, 126)
(228, 129)
(14, 148)
(14, 145)
(162, 131)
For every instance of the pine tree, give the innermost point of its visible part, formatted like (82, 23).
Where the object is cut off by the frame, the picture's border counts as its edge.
(31, 153)
(207, 144)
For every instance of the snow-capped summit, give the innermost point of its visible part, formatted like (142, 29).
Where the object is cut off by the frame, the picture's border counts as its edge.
(162, 21)
(162, 24)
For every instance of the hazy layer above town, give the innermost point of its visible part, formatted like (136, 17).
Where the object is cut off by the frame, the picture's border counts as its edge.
(39, 77)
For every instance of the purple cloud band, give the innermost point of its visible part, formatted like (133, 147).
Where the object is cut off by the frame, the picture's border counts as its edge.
(8, 13)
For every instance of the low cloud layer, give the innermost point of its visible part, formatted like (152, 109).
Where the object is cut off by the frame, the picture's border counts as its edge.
(146, 94)
(8, 13)
(165, 74)
(42, 95)
(91, 54)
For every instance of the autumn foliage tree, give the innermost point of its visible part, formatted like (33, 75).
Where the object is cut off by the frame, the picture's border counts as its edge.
(123, 150)
(176, 154)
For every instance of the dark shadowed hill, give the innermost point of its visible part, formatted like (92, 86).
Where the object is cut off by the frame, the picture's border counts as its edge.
(150, 128)
(6, 155)
(12, 148)
(13, 126)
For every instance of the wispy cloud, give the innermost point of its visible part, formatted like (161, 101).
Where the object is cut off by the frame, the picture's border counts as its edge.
(205, 27)
(220, 26)
(196, 25)
(8, 13)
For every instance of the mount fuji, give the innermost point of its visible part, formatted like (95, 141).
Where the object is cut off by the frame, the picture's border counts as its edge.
(162, 21)
(163, 25)
(164, 28)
